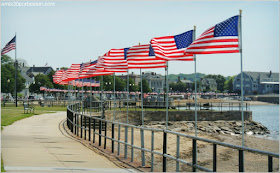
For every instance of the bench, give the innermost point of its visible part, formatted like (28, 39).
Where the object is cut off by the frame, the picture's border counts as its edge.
(28, 108)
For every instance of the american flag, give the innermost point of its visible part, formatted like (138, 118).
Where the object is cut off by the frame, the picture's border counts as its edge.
(73, 72)
(143, 56)
(115, 60)
(96, 69)
(62, 80)
(221, 38)
(57, 76)
(172, 48)
(9, 46)
(85, 67)
(85, 82)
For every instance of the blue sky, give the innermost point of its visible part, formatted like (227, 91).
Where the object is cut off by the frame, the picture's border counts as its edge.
(79, 31)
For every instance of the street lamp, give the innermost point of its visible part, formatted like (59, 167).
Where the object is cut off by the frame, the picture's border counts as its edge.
(8, 84)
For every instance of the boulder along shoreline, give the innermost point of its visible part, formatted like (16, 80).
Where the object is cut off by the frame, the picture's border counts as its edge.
(213, 127)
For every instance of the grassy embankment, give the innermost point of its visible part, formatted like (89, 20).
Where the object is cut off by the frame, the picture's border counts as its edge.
(10, 114)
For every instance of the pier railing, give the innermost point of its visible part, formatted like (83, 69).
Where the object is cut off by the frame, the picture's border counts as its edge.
(120, 138)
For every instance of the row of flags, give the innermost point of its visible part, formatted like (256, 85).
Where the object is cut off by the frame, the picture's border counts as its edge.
(221, 38)
(132, 93)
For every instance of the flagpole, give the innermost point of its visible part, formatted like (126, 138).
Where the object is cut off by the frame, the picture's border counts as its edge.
(75, 92)
(114, 96)
(142, 117)
(241, 65)
(167, 89)
(82, 96)
(91, 95)
(195, 85)
(102, 102)
(142, 111)
(16, 67)
(127, 96)
(126, 130)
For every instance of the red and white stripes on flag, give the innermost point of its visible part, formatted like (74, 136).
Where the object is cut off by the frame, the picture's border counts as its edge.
(73, 72)
(172, 48)
(221, 38)
(9, 46)
(62, 80)
(142, 56)
(58, 75)
(84, 69)
(115, 60)
(96, 69)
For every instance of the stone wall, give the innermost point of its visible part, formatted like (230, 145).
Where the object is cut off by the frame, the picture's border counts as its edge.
(134, 117)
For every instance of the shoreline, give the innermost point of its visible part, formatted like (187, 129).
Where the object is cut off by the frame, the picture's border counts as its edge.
(251, 103)
(232, 128)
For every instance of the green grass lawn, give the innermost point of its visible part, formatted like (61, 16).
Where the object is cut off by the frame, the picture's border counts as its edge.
(12, 114)
(2, 165)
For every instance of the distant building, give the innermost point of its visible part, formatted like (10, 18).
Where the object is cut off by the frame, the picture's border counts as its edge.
(189, 83)
(39, 70)
(208, 84)
(257, 82)
(155, 81)
(134, 77)
(28, 73)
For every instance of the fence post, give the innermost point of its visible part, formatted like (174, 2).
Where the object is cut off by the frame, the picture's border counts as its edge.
(241, 161)
(270, 164)
(125, 140)
(89, 128)
(93, 140)
(85, 125)
(152, 155)
(105, 135)
(77, 118)
(81, 126)
(72, 123)
(100, 132)
(214, 157)
(113, 135)
(178, 154)
(164, 151)
(194, 147)
(142, 146)
(119, 137)
(132, 144)
(75, 128)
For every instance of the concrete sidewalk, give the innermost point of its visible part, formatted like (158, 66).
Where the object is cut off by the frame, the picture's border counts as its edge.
(38, 144)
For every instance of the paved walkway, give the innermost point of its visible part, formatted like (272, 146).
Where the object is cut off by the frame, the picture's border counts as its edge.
(37, 144)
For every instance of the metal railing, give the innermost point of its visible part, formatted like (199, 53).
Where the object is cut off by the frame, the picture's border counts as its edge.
(213, 106)
(96, 130)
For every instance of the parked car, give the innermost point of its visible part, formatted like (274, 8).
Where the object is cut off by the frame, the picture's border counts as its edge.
(31, 98)
(245, 99)
(49, 98)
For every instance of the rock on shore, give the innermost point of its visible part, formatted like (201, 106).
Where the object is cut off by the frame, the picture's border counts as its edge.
(216, 127)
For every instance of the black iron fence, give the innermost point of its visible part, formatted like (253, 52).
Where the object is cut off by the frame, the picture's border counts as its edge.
(112, 134)
(218, 106)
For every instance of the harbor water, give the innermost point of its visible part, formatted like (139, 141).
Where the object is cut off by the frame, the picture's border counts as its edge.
(267, 115)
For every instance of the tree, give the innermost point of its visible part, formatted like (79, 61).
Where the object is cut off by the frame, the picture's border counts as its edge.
(40, 80)
(219, 79)
(8, 76)
(145, 86)
(120, 84)
(108, 83)
(229, 84)
(5, 59)
(132, 86)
